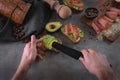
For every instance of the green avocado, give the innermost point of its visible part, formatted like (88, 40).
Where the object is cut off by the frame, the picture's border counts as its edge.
(53, 26)
(47, 42)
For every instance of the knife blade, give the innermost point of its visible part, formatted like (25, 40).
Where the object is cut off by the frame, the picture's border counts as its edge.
(67, 50)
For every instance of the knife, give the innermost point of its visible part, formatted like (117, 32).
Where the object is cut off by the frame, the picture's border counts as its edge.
(67, 50)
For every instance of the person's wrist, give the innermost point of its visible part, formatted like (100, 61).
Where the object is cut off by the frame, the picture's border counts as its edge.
(106, 75)
(25, 65)
(21, 72)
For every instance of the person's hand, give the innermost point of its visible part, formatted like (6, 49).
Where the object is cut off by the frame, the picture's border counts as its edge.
(28, 57)
(30, 52)
(40, 49)
(97, 65)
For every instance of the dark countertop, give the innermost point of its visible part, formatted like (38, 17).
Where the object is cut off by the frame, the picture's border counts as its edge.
(60, 66)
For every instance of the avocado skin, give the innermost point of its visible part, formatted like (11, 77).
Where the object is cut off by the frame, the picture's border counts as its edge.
(53, 26)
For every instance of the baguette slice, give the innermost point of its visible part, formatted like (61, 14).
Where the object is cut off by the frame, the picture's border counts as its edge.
(74, 4)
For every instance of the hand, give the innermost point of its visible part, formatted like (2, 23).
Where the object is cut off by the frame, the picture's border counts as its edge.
(28, 57)
(40, 49)
(30, 52)
(97, 64)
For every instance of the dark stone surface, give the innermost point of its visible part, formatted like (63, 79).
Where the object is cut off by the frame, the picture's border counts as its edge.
(60, 66)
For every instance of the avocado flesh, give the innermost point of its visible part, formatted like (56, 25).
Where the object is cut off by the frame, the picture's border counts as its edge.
(53, 26)
(81, 33)
(71, 37)
(48, 41)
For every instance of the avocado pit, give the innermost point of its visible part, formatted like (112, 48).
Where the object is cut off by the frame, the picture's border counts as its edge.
(52, 26)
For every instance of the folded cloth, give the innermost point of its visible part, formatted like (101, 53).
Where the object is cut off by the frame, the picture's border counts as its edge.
(34, 22)
(15, 10)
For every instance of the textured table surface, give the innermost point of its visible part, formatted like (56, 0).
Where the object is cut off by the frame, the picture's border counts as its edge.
(60, 66)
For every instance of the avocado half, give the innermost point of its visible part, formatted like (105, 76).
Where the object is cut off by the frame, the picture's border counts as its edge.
(48, 40)
(53, 26)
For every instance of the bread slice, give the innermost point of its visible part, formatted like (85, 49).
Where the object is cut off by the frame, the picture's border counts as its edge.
(75, 4)
(70, 35)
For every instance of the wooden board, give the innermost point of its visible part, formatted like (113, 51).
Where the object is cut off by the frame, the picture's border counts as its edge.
(103, 6)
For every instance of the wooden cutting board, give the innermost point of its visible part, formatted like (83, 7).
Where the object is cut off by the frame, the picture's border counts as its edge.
(103, 6)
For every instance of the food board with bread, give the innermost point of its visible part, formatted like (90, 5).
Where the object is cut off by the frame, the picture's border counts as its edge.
(107, 22)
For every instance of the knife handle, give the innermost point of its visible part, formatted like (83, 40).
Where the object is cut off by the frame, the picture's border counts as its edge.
(67, 50)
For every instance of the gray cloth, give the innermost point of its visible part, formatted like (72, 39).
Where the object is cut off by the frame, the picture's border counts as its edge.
(34, 23)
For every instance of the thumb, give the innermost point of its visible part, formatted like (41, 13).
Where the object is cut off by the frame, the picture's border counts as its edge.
(82, 59)
(33, 41)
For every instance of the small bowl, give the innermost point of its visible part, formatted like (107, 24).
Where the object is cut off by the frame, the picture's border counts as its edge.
(91, 13)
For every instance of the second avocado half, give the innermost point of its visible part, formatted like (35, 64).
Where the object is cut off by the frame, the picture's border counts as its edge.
(53, 26)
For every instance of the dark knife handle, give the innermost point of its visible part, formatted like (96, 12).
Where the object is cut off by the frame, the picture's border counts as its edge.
(67, 50)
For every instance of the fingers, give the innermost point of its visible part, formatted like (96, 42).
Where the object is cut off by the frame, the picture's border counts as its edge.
(40, 56)
(82, 60)
(40, 52)
(40, 46)
(84, 52)
(91, 51)
(33, 41)
(33, 46)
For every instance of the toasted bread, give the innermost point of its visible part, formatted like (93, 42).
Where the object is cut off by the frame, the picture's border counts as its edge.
(71, 35)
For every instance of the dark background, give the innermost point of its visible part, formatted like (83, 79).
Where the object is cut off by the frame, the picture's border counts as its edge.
(60, 66)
